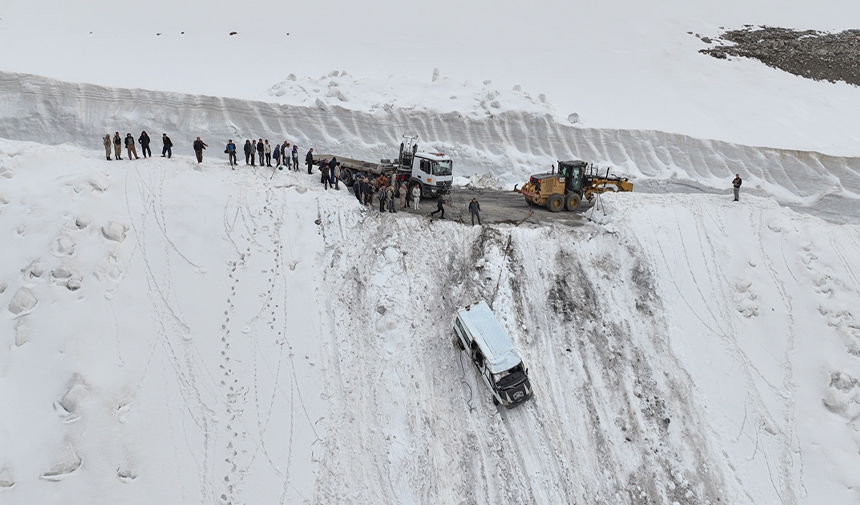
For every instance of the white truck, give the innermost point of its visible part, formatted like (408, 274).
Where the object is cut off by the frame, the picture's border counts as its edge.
(425, 174)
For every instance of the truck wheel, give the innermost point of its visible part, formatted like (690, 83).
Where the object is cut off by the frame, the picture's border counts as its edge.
(346, 176)
(572, 201)
(458, 343)
(555, 203)
(495, 402)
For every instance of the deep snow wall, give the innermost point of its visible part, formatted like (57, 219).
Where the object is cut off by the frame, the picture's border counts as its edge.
(502, 149)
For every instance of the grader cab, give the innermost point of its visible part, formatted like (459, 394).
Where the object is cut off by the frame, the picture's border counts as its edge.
(575, 180)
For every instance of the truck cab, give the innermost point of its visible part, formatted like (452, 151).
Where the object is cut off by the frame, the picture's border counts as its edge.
(429, 174)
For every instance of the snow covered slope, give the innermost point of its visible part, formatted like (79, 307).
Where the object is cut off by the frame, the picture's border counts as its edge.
(182, 332)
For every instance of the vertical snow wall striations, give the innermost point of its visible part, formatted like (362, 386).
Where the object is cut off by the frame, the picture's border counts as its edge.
(506, 147)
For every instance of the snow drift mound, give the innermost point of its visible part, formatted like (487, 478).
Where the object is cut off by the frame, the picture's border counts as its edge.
(503, 150)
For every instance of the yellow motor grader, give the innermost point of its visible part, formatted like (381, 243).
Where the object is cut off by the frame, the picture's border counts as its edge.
(575, 180)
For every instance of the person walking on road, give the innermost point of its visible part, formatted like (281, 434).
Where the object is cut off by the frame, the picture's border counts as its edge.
(168, 146)
(117, 146)
(107, 143)
(129, 146)
(736, 186)
(231, 153)
(440, 206)
(199, 146)
(144, 144)
(475, 211)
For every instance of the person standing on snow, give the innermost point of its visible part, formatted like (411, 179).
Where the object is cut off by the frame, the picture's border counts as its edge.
(380, 195)
(117, 146)
(129, 145)
(248, 151)
(736, 186)
(267, 150)
(261, 152)
(334, 172)
(366, 191)
(402, 193)
(325, 179)
(440, 206)
(168, 145)
(231, 153)
(475, 211)
(416, 198)
(295, 157)
(199, 146)
(107, 143)
(356, 189)
(276, 154)
(309, 159)
(389, 197)
(144, 144)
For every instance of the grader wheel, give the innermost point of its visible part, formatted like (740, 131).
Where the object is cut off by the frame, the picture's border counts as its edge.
(555, 203)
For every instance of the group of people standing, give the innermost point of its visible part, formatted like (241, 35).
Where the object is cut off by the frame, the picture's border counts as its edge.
(118, 142)
(285, 155)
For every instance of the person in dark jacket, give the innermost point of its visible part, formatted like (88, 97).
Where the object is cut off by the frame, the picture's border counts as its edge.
(168, 145)
(296, 157)
(129, 145)
(475, 211)
(199, 146)
(231, 153)
(356, 189)
(366, 191)
(117, 146)
(309, 159)
(324, 170)
(380, 195)
(261, 152)
(440, 206)
(144, 144)
(248, 152)
(736, 186)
